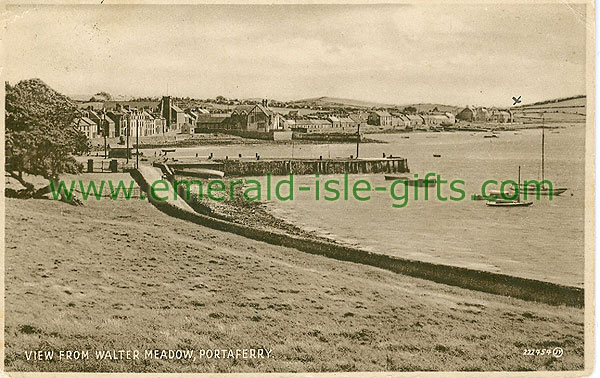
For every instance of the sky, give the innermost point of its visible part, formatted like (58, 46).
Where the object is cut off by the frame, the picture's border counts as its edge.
(393, 54)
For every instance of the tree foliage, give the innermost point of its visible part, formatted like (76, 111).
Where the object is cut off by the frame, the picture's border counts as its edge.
(101, 96)
(409, 110)
(41, 132)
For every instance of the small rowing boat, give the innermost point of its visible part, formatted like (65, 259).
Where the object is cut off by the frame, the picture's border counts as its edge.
(200, 172)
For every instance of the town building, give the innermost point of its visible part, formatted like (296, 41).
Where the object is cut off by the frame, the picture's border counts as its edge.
(335, 122)
(347, 124)
(473, 114)
(311, 126)
(105, 126)
(256, 117)
(87, 127)
(360, 118)
(120, 122)
(212, 121)
(502, 116)
(415, 120)
(400, 121)
(433, 120)
(160, 123)
(380, 118)
(174, 116)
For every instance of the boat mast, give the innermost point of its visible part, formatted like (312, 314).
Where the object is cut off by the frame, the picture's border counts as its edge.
(543, 142)
(357, 140)
(519, 186)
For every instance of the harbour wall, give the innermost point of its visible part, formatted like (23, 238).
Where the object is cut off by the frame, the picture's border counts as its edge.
(283, 167)
(494, 283)
(350, 137)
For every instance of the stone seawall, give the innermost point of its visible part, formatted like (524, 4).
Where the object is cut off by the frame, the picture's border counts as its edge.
(283, 167)
(494, 283)
(241, 133)
(349, 137)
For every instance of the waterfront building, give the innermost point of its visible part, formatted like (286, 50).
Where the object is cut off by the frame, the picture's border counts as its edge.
(256, 117)
(380, 118)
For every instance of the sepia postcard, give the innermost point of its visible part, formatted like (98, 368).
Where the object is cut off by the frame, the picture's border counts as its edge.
(298, 190)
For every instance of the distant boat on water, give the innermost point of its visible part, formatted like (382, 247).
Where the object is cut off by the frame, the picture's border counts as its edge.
(499, 202)
(492, 194)
(411, 181)
(543, 190)
(490, 136)
(508, 203)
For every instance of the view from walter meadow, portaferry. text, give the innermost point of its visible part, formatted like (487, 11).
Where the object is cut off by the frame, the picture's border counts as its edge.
(307, 189)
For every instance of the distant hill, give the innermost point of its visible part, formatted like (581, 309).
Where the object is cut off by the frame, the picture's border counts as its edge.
(86, 97)
(568, 109)
(429, 107)
(579, 100)
(341, 102)
(344, 102)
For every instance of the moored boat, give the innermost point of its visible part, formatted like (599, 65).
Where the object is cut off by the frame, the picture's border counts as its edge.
(492, 195)
(508, 203)
(500, 202)
(412, 181)
(543, 190)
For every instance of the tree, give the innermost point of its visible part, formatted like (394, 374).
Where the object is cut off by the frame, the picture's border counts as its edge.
(103, 96)
(410, 110)
(41, 134)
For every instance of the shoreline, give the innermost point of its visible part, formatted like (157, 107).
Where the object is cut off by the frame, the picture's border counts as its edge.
(216, 139)
(222, 139)
(467, 278)
(249, 213)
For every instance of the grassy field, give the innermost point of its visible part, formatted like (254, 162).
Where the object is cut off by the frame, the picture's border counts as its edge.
(123, 275)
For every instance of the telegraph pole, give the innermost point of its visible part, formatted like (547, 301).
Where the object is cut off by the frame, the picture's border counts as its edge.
(137, 145)
(127, 136)
(104, 130)
(357, 140)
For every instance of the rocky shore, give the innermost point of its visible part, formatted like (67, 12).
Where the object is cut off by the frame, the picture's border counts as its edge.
(248, 213)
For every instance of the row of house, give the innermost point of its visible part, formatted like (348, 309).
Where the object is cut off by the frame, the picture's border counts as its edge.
(165, 117)
(260, 117)
(117, 122)
(410, 121)
(481, 114)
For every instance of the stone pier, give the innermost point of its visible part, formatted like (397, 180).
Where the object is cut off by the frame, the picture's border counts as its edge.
(283, 166)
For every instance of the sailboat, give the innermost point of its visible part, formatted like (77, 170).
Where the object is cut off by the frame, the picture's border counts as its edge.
(498, 202)
(543, 189)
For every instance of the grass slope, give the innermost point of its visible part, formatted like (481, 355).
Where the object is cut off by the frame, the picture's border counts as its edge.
(122, 275)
